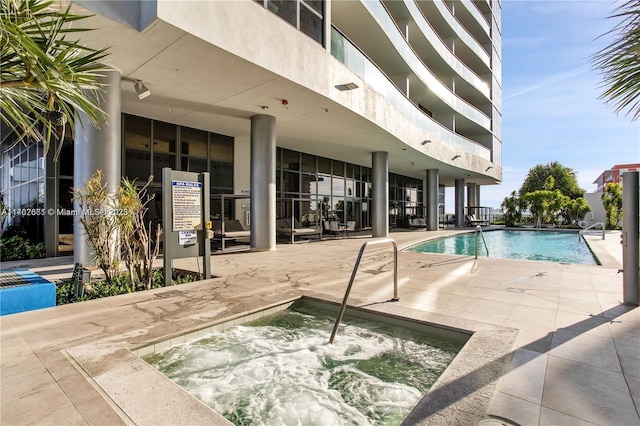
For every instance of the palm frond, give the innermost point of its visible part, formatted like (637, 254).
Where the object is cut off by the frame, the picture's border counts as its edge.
(41, 70)
(619, 62)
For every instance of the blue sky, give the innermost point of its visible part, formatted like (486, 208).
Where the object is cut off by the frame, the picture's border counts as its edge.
(551, 110)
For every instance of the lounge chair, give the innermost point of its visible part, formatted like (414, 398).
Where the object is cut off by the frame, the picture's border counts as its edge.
(417, 223)
(351, 227)
(472, 221)
(228, 230)
(284, 229)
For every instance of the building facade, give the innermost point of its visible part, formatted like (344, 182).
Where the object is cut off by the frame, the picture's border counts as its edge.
(354, 110)
(614, 175)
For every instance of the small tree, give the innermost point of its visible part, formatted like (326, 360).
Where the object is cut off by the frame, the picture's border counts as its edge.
(512, 208)
(574, 210)
(612, 202)
(96, 214)
(540, 205)
(139, 250)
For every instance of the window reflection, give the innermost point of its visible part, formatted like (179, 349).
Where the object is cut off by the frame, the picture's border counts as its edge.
(307, 15)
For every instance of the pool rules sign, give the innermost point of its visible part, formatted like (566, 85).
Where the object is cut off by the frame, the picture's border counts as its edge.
(185, 206)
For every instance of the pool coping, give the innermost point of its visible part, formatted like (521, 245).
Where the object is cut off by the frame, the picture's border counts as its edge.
(462, 393)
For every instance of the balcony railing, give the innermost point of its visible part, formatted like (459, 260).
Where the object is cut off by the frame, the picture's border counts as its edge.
(348, 54)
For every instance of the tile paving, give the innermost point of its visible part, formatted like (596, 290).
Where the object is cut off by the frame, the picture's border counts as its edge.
(574, 358)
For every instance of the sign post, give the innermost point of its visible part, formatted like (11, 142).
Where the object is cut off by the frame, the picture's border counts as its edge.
(185, 203)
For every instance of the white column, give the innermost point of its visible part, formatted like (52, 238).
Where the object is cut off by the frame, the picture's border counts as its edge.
(459, 202)
(263, 182)
(380, 199)
(97, 149)
(432, 199)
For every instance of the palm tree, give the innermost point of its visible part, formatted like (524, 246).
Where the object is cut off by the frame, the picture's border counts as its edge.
(45, 77)
(620, 61)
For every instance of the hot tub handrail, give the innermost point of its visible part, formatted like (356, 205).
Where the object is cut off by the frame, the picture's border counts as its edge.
(353, 276)
(479, 229)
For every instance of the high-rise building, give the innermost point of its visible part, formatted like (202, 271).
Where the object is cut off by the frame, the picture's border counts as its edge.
(356, 110)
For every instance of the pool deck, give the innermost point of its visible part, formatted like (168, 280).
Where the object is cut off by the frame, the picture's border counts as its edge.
(571, 352)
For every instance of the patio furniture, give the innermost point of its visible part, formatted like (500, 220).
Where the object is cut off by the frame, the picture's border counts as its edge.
(470, 220)
(228, 230)
(284, 229)
(351, 227)
(417, 223)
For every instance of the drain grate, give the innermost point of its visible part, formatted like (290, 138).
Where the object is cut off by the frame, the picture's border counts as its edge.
(11, 279)
(514, 290)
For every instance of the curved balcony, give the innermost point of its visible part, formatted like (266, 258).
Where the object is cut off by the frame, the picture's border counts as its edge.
(348, 54)
(477, 15)
(462, 33)
(420, 70)
(443, 51)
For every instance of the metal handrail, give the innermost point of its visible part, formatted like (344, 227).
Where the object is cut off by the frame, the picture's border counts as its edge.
(593, 225)
(479, 228)
(353, 276)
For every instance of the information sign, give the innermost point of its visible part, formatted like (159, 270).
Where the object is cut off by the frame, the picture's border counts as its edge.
(187, 237)
(187, 203)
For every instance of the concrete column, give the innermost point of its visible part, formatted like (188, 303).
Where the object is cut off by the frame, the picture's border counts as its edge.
(459, 202)
(630, 244)
(97, 149)
(432, 199)
(478, 202)
(263, 182)
(471, 196)
(380, 199)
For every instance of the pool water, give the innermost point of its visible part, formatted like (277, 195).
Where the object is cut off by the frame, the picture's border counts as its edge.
(280, 370)
(562, 247)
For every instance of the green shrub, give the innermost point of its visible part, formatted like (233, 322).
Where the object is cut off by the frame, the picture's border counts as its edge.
(13, 248)
(65, 289)
(36, 251)
(16, 247)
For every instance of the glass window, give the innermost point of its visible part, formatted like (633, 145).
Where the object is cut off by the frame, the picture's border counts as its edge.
(324, 184)
(291, 182)
(193, 146)
(160, 161)
(164, 147)
(220, 148)
(311, 24)
(290, 160)
(338, 186)
(193, 142)
(317, 5)
(308, 183)
(164, 137)
(324, 165)
(137, 142)
(192, 164)
(309, 163)
(221, 176)
(350, 187)
(137, 165)
(286, 9)
(137, 132)
(338, 168)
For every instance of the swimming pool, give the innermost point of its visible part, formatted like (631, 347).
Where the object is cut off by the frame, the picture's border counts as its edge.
(551, 246)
